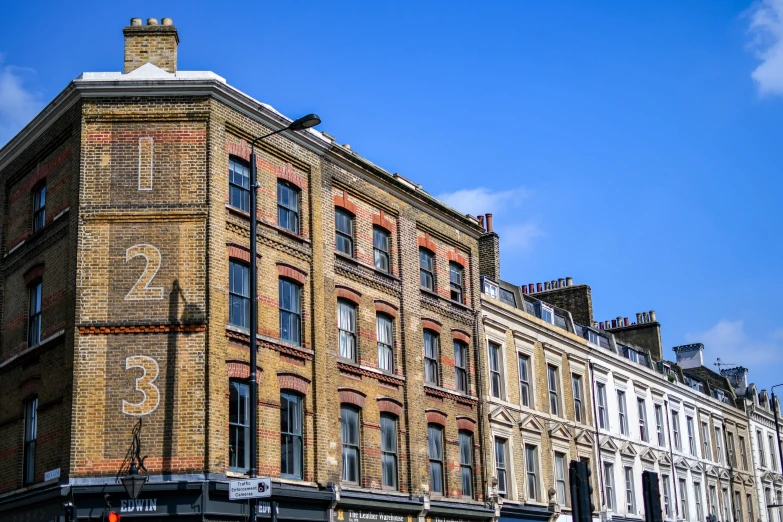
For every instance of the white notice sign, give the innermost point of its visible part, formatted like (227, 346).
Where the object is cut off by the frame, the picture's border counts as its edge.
(250, 488)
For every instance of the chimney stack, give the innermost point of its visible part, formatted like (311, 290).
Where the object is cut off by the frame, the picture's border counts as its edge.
(690, 355)
(151, 43)
(489, 251)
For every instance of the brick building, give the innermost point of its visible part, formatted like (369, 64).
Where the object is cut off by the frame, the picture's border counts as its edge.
(124, 295)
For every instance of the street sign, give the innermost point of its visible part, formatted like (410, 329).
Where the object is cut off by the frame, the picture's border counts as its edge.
(250, 488)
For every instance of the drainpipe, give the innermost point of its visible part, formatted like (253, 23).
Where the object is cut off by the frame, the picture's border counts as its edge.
(479, 345)
(597, 434)
(675, 482)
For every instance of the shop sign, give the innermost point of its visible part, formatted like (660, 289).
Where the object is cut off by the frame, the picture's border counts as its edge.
(147, 505)
(349, 515)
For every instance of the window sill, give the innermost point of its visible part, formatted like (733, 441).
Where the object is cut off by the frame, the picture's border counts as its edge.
(350, 366)
(438, 390)
(284, 231)
(354, 261)
(446, 300)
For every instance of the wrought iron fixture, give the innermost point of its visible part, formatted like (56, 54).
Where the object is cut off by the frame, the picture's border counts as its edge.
(133, 462)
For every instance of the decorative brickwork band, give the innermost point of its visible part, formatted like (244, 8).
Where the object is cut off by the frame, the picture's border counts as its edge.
(292, 381)
(288, 174)
(387, 405)
(348, 294)
(34, 273)
(464, 423)
(436, 417)
(238, 252)
(349, 396)
(456, 257)
(429, 324)
(381, 221)
(459, 335)
(386, 308)
(342, 202)
(29, 387)
(241, 370)
(291, 272)
(142, 329)
(426, 242)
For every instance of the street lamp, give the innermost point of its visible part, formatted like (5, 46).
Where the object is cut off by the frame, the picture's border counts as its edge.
(305, 122)
(132, 481)
(777, 428)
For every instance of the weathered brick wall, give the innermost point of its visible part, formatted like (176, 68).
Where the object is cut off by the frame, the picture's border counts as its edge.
(42, 370)
(141, 305)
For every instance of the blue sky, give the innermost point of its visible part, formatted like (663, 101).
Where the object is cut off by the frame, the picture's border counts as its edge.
(635, 146)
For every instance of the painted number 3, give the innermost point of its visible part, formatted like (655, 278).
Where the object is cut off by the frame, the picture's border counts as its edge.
(144, 385)
(142, 291)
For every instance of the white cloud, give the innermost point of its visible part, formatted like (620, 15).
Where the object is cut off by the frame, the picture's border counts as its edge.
(766, 26)
(729, 341)
(18, 102)
(515, 233)
(482, 200)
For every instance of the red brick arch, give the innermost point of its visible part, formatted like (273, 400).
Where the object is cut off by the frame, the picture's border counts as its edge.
(430, 324)
(388, 405)
(426, 242)
(294, 382)
(343, 292)
(386, 308)
(34, 273)
(238, 252)
(455, 257)
(30, 387)
(350, 396)
(241, 370)
(342, 201)
(291, 272)
(381, 221)
(436, 417)
(464, 423)
(459, 335)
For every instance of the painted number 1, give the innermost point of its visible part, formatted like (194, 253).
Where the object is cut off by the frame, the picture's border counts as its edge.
(144, 385)
(142, 291)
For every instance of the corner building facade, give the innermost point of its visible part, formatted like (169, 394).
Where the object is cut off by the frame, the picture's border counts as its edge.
(129, 301)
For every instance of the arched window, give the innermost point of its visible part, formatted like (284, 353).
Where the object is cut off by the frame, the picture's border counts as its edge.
(291, 435)
(389, 450)
(238, 294)
(349, 422)
(290, 312)
(238, 426)
(343, 230)
(431, 357)
(287, 206)
(346, 326)
(30, 438)
(384, 326)
(435, 449)
(39, 207)
(239, 184)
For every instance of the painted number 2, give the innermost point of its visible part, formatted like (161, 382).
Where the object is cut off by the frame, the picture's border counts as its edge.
(144, 385)
(142, 291)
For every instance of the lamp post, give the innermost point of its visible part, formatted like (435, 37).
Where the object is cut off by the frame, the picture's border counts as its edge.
(777, 428)
(305, 122)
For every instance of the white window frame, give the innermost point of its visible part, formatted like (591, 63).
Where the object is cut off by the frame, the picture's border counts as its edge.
(602, 406)
(630, 490)
(501, 392)
(622, 411)
(611, 500)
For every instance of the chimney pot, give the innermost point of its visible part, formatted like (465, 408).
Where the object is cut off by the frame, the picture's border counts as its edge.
(569, 281)
(531, 288)
(167, 21)
(645, 317)
(135, 21)
(652, 316)
(639, 318)
(625, 321)
(561, 283)
(152, 21)
(614, 323)
(481, 222)
(601, 325)
(524, 289)
(540, 287)
(553, 284)
(489, 223)
(546, 285)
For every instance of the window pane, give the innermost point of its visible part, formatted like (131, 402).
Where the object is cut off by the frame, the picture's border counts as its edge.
(346, 324)
(389, 450)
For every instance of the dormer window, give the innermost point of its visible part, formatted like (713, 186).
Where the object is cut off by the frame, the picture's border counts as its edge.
(489, 287)
(592, 337)
(508, 297)
(545, 312)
